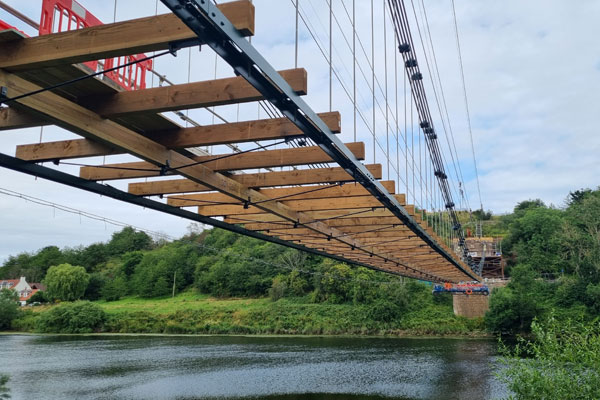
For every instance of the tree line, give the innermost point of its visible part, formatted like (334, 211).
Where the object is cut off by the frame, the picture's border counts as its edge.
(553, 259)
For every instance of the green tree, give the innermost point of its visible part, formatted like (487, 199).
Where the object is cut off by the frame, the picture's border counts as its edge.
(279, 287)
(115, 288)
(513, 308)
(93, 291)
(128, 239)
(66, 282)
(535, 238)
(334, 283)
(130, 261)
(156, 271)
(9, 308)
(581, 237)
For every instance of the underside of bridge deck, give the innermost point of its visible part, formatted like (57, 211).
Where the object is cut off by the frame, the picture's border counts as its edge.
(341, 209)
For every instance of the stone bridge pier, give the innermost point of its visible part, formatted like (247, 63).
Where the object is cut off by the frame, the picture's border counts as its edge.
(474, 306)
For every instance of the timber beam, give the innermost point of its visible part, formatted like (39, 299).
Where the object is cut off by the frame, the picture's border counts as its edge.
(265, 179)
(222, 162)
(366, 202)
(207, 135)
(13, 118)
(186, 96)
(112, 40)
(289, 193)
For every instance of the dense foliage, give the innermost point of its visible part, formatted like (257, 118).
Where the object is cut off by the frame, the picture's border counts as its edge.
(4, 390)
(561, 362)
(77, 317)
(66, 282)
(553, 261)
(9, 307)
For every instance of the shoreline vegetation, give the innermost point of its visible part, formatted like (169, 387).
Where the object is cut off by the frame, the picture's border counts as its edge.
(191, 313)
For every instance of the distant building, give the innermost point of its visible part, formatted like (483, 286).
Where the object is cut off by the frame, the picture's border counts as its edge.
(24, 289)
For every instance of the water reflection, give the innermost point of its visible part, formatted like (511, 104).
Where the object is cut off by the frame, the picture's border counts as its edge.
(290, 368)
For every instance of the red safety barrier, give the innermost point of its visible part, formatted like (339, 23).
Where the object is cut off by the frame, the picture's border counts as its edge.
(68, 15)
(131, 77)
(4, 26)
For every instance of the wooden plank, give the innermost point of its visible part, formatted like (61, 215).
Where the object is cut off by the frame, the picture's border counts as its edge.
(373, 237)
(208, 135)
(298, 205)
(266, 179)
(293, 193)
(189, 95)
(342, 223)
(112, 40)
(239, 132)
(222, 162)
(321, 215)
(12, 118)
(397, 228)
(342, 203)
(64, 150)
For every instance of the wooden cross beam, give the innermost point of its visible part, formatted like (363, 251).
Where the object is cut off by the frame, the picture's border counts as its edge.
(12, 118)
(259, 180)
(223, 162)
(112, 40)
(207, 135)
(342, 223)
(188, 95)
(302, 205)
(289, 193)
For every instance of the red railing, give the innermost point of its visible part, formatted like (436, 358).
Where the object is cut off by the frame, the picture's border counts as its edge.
(4, 26)
(68, 15)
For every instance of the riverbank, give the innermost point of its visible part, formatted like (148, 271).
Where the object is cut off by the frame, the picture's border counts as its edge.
(193, 313)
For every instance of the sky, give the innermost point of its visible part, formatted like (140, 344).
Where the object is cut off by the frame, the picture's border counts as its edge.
(532, 74)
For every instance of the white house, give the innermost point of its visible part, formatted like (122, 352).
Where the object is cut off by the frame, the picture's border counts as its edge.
(24, 289)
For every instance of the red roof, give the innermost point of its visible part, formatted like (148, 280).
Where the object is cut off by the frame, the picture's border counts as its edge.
(25, 298)
(13, 281)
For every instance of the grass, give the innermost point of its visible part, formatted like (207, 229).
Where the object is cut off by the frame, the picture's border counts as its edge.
(193, 313)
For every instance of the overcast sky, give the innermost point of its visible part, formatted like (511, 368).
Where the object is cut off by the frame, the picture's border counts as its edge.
(532, 71)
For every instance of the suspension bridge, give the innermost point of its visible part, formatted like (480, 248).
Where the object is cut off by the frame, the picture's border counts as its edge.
(281, 172)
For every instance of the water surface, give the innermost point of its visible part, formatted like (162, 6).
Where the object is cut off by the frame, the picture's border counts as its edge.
(230, 367)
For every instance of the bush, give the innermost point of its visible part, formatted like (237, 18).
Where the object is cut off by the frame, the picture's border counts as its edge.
(563, 362)
(384, 311)
(26, 322)
(278, 288)
(513, 308)
(38, 297)
(592, 293)
(78, 317)
(9, 307)
(4, 390)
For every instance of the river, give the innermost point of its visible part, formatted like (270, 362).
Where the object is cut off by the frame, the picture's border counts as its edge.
(235, 367)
